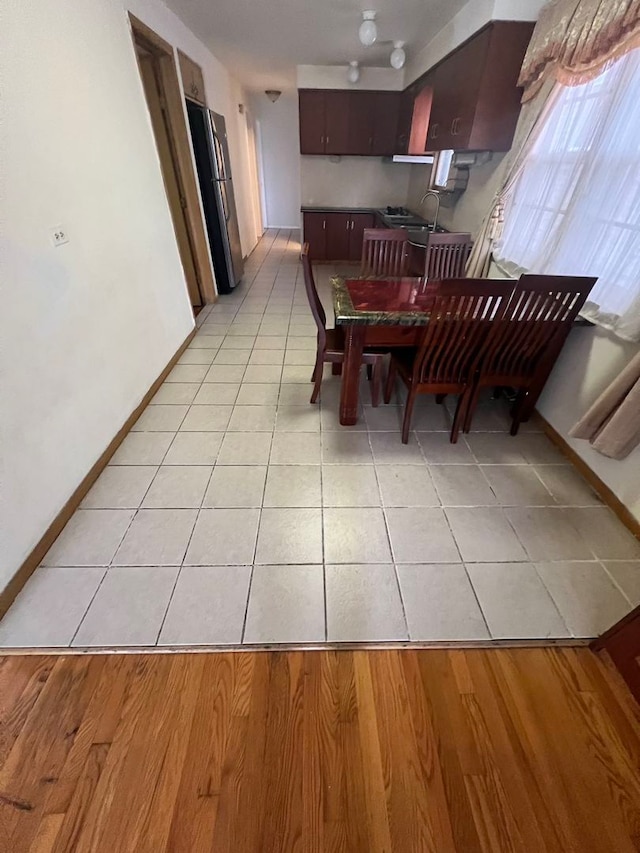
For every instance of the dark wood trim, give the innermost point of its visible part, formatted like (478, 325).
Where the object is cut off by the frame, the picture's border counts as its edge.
(622, 649)
(609, 498)
(600, 642)
(28, 567)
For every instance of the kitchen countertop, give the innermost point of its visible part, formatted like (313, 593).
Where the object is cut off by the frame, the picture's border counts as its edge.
(311, 208)
(416, 238)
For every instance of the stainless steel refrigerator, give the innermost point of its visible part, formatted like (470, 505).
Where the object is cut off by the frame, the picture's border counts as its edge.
(209, 136)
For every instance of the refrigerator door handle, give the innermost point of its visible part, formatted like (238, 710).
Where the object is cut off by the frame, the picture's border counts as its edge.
(223, 196)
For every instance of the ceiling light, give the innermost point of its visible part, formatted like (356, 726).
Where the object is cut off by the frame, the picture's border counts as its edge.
(273, 94)
(398, 56)
(368, 31)
(353, 73)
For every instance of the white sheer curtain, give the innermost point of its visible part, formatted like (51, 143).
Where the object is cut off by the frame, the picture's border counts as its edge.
(575, 209)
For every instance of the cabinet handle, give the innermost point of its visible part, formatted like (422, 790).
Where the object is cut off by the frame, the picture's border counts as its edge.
(435, 130)
(322, 140)
(348, 224)
(455, 127)
(352, 224)
(327, 140)
(324, 224)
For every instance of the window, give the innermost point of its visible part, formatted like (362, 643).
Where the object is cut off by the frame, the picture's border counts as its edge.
(575, 209)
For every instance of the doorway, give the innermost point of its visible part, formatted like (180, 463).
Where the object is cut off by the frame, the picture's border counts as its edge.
(159, 76)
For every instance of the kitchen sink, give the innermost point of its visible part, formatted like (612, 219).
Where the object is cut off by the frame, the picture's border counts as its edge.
(406, 221)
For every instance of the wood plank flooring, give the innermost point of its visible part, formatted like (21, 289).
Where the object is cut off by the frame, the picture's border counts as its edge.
(483, 750)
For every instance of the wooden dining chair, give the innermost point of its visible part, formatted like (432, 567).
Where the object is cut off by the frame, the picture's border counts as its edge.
(523, 346)
(462, 312)
(385, 251)
(447, 256)
(331, 341)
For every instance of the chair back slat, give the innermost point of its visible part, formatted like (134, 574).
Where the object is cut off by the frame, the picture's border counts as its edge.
(384, 252)
(462, 313)
(536, 323)
(315, 304)
(447, 255)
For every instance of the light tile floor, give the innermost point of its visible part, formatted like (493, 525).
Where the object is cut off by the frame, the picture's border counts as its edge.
(235, 512)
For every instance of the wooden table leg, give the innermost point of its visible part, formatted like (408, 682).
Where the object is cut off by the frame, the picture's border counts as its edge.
(353, 345)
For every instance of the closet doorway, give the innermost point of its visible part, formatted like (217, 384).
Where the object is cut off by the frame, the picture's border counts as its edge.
(159, 75)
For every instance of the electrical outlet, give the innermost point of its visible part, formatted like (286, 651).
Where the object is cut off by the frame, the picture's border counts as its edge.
(59, 235)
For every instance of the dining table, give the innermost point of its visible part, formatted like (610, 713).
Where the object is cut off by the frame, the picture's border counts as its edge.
(376, 312)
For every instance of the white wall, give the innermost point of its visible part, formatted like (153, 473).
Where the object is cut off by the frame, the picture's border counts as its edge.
(88, 326)
(591, 359)
(353, 181)
(472, 17)
(279, 158)
(335, 77)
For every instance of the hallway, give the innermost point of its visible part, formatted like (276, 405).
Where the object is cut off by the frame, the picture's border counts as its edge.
(237, 513)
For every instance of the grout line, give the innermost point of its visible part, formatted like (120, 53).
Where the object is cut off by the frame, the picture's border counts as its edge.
(475, 595)
(84, 615)
(549, 593)
(391, 550)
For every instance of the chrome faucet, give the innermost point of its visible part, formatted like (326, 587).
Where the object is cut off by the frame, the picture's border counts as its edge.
(435, 195)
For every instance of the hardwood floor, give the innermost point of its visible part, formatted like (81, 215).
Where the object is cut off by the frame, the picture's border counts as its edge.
(483, 750)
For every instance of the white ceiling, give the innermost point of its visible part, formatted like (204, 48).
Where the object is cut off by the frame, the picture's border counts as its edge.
(262, 41)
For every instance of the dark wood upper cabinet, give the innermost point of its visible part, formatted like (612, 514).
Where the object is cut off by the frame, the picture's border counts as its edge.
(312, 121)
(343, 122)
(361, 122)
(386, 112)
(337, 125)
(420, 120)
(476, 100)
(469, 101)
(405, 116)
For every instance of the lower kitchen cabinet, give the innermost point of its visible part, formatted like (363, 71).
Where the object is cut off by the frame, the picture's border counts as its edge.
(338, 233)
(359, 221)
(335, 235)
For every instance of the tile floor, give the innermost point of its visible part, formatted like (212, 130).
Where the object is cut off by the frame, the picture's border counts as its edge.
(235, 512)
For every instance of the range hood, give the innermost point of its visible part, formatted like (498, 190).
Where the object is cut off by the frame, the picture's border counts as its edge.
(429, 159)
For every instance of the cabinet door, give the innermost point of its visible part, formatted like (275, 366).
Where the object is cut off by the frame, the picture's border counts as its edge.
(315, 234)
(498, 106)
(438, 136)
(358, 222)
(465, 69)
(386, 111)
(192, 78)
(404, 120)
(420, 121)
(361, 122)
(338, 233)
(337, 104)
(312, 121)
(198, 84)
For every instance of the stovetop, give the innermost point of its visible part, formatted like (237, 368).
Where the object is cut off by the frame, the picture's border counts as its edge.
(397, 211)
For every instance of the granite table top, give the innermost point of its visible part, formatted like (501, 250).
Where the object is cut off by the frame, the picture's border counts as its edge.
(381, 301)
